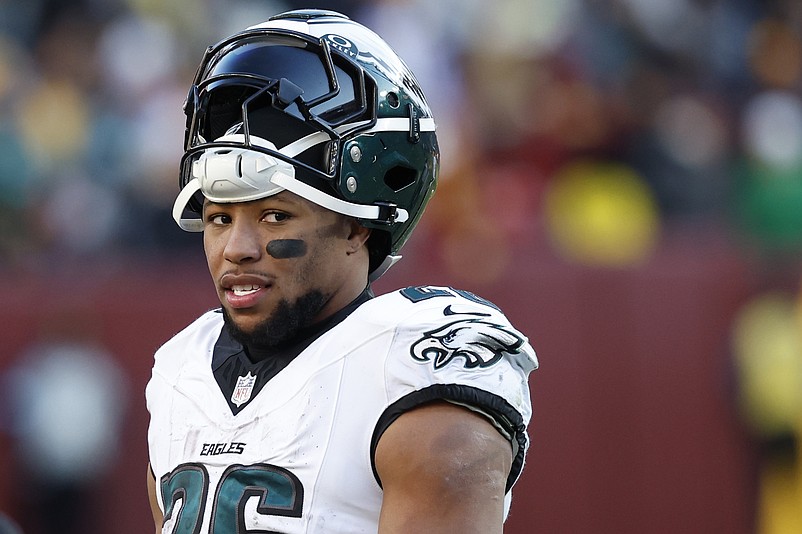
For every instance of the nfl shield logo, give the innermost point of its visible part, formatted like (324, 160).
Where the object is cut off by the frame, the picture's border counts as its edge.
(243, 389)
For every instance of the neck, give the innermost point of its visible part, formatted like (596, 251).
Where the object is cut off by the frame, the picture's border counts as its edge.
(354, 283)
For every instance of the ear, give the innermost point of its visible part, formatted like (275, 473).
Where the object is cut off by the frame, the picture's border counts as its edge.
(357, 236)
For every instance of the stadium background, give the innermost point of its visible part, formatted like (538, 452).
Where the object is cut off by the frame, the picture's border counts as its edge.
(623, 177)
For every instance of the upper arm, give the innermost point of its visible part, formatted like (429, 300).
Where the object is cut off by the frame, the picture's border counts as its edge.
(154, 503)
(443, 468)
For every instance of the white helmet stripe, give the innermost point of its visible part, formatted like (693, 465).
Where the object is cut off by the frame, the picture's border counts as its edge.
(401, 124)
(391, 124)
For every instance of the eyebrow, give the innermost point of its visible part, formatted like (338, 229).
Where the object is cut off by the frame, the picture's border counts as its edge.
(275, 198)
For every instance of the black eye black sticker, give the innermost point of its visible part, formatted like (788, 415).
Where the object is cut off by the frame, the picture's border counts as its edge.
(283, 249)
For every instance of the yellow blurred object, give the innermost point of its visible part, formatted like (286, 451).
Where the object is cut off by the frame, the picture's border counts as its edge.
(54, 121)
(780, 501)
(602, 214)
(767, 348)
(767, 351)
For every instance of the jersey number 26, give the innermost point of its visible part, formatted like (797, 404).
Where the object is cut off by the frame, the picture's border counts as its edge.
(185, 492)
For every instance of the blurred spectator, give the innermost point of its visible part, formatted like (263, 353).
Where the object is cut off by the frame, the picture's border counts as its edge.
(65, 402)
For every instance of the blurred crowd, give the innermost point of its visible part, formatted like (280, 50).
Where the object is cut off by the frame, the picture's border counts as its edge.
(604, 123)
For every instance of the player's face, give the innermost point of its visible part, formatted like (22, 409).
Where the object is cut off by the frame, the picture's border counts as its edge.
(279, 261)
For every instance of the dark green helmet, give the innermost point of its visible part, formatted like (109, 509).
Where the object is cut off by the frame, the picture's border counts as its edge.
(317, 104)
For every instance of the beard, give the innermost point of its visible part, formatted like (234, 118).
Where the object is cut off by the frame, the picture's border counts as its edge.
(284, 325)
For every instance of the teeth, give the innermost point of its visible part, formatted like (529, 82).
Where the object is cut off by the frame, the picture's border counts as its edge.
(245, 290)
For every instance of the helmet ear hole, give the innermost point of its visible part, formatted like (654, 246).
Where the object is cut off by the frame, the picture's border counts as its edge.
(393, 100)
(399, 177)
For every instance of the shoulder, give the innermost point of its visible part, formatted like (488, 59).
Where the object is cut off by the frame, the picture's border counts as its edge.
(454, 346)
(422, 303)
(452, 327)
(198, 337)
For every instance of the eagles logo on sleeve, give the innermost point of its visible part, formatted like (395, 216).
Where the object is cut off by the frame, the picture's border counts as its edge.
(480, 342)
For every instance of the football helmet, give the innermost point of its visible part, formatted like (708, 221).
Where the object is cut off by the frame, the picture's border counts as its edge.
(319, 105)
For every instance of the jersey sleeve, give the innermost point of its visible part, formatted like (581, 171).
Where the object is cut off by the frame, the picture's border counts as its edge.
(453, 346)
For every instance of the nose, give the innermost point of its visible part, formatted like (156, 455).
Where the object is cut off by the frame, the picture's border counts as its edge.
(243, 243)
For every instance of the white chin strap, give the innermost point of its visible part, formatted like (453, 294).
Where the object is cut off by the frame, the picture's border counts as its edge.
(226, 175)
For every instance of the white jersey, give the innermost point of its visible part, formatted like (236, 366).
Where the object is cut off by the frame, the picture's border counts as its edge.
(298, 455)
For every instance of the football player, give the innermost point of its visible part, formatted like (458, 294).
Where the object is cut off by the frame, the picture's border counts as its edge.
(305, 403)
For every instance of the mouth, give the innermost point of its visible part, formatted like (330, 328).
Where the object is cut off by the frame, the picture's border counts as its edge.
(243, 291)
(241, 297)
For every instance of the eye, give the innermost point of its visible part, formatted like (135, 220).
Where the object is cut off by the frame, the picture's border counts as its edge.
(218, 219)
(275, 217)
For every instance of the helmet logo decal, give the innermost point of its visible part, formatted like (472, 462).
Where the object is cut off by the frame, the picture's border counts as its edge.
(235, 128)
(399, 74)
(414, 124)
(334, 151)
(480, 342)
(343, 45)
